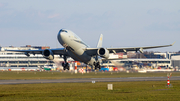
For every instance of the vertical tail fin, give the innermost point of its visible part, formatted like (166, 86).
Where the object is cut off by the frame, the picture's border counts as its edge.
(100, 41)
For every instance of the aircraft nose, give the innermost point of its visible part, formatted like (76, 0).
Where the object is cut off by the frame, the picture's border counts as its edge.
(61, 37)
(62, 33)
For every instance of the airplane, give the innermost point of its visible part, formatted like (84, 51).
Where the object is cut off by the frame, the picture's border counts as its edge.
(77, 49)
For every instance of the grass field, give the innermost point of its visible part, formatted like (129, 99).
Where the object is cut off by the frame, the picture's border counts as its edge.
(64, 75)
(140, 90)
(144, 90)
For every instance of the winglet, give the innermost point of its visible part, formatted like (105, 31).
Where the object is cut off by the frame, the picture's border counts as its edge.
(100, 41)
(173, 43)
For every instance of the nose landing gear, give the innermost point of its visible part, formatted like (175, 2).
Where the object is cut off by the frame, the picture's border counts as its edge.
(65, 64)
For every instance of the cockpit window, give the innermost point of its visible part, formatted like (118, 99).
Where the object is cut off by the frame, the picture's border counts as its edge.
(63, 30)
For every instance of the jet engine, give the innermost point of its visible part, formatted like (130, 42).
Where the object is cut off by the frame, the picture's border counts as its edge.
(48, 54)
(102, 52)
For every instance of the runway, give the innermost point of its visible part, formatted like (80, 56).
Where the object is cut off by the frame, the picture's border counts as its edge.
(130, 79)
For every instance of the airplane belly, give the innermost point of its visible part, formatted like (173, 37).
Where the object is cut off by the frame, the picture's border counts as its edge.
(80, 57)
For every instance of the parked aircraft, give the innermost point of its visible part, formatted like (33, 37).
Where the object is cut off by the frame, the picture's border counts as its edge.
(77, 49)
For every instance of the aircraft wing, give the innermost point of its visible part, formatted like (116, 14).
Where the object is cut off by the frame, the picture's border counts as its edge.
(93, 51)
(112, 50)
(57, 51)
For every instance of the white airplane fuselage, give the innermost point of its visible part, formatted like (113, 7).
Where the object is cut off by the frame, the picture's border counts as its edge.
(74, 46)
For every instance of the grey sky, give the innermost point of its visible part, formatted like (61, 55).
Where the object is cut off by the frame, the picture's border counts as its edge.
(124, 23)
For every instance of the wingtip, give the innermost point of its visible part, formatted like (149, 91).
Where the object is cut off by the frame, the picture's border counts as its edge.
(173, 43)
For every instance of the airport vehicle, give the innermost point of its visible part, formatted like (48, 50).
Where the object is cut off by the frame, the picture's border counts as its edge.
(75, 48)
(104, 69)
(48, 67)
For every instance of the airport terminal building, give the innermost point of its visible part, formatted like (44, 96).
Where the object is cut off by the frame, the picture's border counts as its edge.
(175, 58)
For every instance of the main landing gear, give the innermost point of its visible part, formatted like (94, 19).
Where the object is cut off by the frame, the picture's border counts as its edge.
(97, 65)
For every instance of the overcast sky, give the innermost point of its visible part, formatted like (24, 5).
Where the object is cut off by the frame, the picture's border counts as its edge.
(123, 23)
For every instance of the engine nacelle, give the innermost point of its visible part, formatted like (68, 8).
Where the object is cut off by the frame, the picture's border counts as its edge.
(102, 52)
(48, 54)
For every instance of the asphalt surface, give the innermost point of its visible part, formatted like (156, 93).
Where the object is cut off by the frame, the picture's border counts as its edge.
(130, 79)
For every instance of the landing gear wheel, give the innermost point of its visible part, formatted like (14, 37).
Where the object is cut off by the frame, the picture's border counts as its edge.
(97, 65)
(95, 68)
(65, 66)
